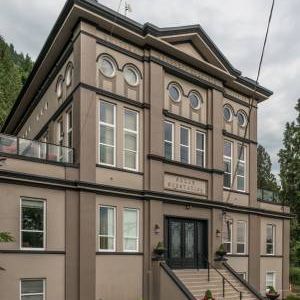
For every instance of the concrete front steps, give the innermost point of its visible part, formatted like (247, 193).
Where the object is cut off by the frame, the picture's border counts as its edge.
(196, 281)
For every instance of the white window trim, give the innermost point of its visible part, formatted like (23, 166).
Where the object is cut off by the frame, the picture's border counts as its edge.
(109, 236)
(231, 239)
(60, 137)
(173, 135)
(228, 158)
(274, 240)
(245, 237)
(201, 150)
(240, 161)
(186, 146)
(274, 279)
(115, 134)
(44, 223)
(137, 230)
(137, 140)
(33, 294)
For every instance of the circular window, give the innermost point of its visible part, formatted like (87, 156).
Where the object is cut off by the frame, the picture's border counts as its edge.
(131, 76)
(241, 118)
(174, 92)
(107, 66)
(59, 87)
(227, 114)
(195, 100)
(69, 75)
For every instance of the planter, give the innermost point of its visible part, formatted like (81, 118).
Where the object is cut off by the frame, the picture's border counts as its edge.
(272, 296)
(221, 255)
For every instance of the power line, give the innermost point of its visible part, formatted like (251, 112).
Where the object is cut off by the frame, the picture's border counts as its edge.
(252, 97)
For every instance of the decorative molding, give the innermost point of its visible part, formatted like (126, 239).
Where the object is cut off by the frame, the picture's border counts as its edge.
(236, 191)
(239, 138)
(186, 120)
(18, 251)
(119, 253)
(119, 169)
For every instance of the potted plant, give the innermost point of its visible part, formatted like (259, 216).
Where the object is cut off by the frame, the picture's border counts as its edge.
(159, 250)
(221, 252)
(208, 295)
(271, 293)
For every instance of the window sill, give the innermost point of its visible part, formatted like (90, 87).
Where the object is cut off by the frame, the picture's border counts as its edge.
(118, 253)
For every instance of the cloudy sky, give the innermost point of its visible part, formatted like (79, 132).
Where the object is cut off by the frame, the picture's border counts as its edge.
(236, 26)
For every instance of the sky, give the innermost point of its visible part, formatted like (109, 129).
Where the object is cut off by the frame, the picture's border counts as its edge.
(236, 26)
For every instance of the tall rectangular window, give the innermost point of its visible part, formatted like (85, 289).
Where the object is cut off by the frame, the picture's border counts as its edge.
(227, 238)
(200, 149)
(227, 164)
(270, 239)
(107, 231)
(270, 280)
(107, 133)
(70, 134)
(32, 224)
(32, 289)
(241, 168)
(131, 125)
(131, 229)
(169, 140)
(241, 237)
(60, 138)
(184, 144)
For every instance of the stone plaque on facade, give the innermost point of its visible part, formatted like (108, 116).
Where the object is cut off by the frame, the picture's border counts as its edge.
(185, 184)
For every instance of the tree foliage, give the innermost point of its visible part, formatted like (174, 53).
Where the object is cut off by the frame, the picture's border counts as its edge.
(265, 178)
(289, 158)
(14, 70)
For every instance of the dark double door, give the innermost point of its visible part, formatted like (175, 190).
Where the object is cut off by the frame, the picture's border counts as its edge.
(187, 243)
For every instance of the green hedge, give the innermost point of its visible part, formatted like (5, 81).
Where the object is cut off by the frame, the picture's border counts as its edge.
(295, 276)
(293, 297)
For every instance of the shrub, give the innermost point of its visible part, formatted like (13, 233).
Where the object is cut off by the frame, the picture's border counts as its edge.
(292, 297)
(295, 275)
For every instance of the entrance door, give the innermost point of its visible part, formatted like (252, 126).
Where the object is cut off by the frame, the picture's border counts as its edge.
(187, 243)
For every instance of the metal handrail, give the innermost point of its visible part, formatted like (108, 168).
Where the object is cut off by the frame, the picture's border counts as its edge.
(210, 265)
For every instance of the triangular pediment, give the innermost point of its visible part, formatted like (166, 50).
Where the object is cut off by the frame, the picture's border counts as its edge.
(195, 46)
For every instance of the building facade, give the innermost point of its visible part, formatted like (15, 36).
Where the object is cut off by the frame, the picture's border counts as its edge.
(124, 136)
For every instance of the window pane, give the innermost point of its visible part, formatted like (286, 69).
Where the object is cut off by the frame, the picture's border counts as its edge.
(269, 249)
(269, 234)
(227, 180)
(241, 152)
(130, 159)
(32, 239)
(241, 169)
(106, 135)
(32, 215)
(200, 158)
(130, 120)
(107, 221)
(227, 247)
(33, 297)
(32, 286)
(106, 243)
(240, 248)
(106, 154)
(130, 223)
(227, 166)
(241, 234)
(168, 131)
(130, 141)
(184, 136)
(200, 141)
(241, 183)
(106, 112)
(168, 151)
(130, 244)
(184, 154)
(227, 149)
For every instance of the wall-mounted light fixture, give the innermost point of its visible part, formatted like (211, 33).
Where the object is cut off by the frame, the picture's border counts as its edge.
(156, 229)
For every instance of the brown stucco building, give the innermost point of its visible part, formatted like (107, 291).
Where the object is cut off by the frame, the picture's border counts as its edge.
(126, 135)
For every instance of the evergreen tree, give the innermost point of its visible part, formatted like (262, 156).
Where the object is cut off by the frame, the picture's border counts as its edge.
(265, 178)
(289, 158)
(14, 70)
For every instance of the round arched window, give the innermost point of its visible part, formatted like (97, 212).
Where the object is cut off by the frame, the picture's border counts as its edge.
(174, 92)
(69, 75)
(107, 66)
(59, 87)
(242, 119)
(227, 113)
(195, 100)
(131, 75)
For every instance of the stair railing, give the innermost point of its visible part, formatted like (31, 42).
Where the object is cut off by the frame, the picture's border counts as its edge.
(224, 279)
